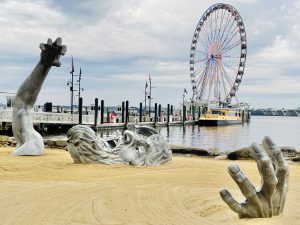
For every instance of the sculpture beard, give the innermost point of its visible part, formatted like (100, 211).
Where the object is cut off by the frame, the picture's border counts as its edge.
(144, 147)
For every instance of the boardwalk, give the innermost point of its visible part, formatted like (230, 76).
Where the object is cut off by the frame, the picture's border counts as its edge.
(48, 118)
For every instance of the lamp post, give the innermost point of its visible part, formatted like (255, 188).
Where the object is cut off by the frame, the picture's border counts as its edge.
(145, 110)
(183, 108)
(79, 84)
(150, 94)
(71, 83)
(193, 103)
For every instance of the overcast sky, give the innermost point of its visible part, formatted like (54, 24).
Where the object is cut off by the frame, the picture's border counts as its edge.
(118, 43)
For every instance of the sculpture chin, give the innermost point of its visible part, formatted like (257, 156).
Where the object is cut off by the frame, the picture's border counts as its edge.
(137, 148)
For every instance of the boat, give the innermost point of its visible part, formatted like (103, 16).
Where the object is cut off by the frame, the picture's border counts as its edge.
(220, 116)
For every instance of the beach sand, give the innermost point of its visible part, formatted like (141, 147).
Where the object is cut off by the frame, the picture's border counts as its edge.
(51, 189)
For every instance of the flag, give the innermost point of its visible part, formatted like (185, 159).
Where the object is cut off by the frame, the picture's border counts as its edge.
(72, 71)
(146, 86)
(80, 71)
(185, 90)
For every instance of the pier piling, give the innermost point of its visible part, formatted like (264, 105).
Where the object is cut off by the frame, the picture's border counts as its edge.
(102, 112)
(127, 112)
(123, 110)
(168, 114)
(183, 114)
(141, 111)
(171, 113)
(96, 114)
(80, 110)
(193, 112)
(107, 116)
(243, 115)
(159, 112)
(155, 113)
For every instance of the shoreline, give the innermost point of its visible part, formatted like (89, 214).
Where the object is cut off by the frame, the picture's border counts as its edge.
(289, 152)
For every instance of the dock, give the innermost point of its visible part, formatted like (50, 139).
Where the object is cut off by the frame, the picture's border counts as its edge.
(50, 120)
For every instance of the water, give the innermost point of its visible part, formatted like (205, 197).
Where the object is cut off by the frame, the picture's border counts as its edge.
(285, 131)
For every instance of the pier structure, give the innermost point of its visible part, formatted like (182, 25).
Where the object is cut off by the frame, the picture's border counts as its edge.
(108, 117)
(57, 117)
(44, 119)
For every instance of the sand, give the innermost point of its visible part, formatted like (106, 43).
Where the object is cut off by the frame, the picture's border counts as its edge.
(51, 189)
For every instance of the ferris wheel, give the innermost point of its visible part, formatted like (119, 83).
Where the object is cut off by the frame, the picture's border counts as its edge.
(218, 55)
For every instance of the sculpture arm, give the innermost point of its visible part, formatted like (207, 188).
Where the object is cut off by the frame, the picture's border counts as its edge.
(30, 88)
(30, 142)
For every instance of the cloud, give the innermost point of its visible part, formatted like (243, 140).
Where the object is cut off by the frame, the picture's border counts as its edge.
(118, 43)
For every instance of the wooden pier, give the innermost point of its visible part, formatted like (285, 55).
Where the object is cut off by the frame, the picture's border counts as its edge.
(42, 120)
(45, 121)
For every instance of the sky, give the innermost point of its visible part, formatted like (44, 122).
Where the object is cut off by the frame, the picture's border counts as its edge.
(119, 43)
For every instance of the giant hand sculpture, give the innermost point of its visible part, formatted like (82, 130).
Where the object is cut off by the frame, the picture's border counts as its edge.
(30, 142)
(144, 147)
(270, 198)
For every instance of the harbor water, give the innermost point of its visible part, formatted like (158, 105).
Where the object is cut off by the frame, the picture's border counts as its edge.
(285, 131)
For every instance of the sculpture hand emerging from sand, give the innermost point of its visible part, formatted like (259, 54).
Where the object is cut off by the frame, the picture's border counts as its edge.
(30, 142)
(144, 147)
(270, 198)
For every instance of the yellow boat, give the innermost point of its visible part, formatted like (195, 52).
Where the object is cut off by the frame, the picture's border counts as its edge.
(222, 116)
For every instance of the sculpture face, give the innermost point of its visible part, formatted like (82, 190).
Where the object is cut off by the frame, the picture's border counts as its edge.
(270, 198)
(145, 147)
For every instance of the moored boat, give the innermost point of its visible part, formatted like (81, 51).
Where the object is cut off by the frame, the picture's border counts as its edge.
(220, 116)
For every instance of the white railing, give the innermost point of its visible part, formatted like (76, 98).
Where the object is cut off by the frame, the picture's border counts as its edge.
(50, 118)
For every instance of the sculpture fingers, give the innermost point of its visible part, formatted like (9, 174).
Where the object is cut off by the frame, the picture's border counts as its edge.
(266, 170)
(52, 51)
(58, 41)
(49, 41)
(243, 182)
(231, 202)
(63, 50)
(56, 62)
(42, 47)
(274, 152)
(282, 168)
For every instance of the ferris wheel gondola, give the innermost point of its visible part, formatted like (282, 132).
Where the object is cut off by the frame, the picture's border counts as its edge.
(218, 55)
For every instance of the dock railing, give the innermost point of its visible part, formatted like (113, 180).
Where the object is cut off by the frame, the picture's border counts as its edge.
(50, 118)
